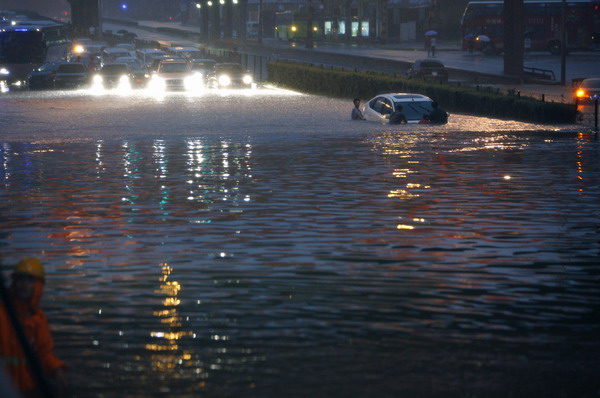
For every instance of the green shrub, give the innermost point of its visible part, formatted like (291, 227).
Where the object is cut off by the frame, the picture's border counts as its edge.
(486, 102)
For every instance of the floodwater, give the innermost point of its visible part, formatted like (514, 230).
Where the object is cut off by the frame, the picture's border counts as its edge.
(261, 244)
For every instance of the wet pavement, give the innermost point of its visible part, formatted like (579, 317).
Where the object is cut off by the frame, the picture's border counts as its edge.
(261, 244)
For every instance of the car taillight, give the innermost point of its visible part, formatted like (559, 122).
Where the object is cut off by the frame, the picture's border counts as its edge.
(52, 75)
(580, 93)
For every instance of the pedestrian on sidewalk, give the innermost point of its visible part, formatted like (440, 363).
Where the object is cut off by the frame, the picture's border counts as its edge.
(432, 45)
(24, 295)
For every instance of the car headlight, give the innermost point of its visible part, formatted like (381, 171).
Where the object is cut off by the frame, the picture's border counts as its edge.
(124, 79)
(157, 83)
(224, 80)
(192, 82)
(4, 72)
(247, 79)
(97, 79)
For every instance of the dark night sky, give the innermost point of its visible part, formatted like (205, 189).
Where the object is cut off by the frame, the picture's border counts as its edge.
(49, 8)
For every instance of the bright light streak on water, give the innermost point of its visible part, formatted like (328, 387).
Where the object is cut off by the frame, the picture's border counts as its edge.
(226, 244)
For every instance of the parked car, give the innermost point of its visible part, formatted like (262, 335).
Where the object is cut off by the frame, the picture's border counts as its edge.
(428, 69)
(175, 74)
(588, 90)
(225, 75)
(59, 75)
(414, 107)
(114, 75)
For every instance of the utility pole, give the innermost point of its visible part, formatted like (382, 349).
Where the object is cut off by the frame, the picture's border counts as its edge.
(309, 25)
(563, 43)
(513, 37)
(259, 35)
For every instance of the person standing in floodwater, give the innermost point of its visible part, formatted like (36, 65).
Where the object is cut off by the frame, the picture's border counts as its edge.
(25, 293)
(356, 112)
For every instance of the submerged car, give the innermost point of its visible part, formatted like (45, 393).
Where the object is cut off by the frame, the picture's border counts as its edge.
(588, 90)
(428, 69)
(226, 75)
(414, 107)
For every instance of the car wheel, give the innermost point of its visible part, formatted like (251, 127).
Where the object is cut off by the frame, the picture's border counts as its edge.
(554, 47)
(488, 49)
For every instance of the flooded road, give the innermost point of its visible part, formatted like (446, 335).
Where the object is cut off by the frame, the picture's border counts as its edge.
(261, 244)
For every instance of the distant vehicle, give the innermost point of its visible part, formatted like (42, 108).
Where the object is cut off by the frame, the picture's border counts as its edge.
(110, 54)
(29, 44)
(147, 55)
(175, 74)
(42, 77)
(588, 90)
(126, 46)
(414, 106)
(139, 73)
(226, 75)
(204, 66)
(542, 24)
(158, 59)
(428, 69)
(292, 25)
(71, 75)
(186, 52)
(113, 75)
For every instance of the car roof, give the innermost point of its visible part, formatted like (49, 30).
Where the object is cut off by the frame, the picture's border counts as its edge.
(203, 60)
(429, 61)
(591, 82)
(404, 97)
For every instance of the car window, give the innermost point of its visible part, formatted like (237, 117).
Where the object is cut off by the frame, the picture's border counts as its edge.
(431, 64)
(230, 69)
(112, 69)
(46, 67)
(71, 68)
(591, 83)
(386, 107)
(415, 110)
(173, 68)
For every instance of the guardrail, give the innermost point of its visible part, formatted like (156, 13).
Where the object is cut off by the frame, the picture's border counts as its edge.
(539, 73)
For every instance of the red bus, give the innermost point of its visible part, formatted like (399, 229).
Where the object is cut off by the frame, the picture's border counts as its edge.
(542, 25)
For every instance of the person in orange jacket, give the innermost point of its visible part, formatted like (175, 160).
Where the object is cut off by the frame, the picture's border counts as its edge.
(25, 293)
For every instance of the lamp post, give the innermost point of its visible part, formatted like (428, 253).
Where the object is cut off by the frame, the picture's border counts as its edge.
(563, 43)
(259, 35)
(309, 25)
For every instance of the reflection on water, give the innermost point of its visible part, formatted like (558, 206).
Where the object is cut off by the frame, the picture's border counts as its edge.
(373, 263)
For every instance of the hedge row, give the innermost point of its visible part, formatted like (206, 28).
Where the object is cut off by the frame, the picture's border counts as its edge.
(349, 84)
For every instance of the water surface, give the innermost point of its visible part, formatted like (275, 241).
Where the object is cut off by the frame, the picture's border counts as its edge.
(263, 245)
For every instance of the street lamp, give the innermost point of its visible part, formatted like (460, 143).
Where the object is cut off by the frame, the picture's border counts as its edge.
(309, 25)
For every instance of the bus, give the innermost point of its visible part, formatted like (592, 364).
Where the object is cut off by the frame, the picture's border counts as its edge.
(291, 26)
(27, 44)
(483, 20)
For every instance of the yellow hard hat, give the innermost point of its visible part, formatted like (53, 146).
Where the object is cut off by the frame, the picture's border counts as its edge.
(30, 266)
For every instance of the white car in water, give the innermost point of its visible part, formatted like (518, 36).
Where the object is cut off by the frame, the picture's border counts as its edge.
(414, 107)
